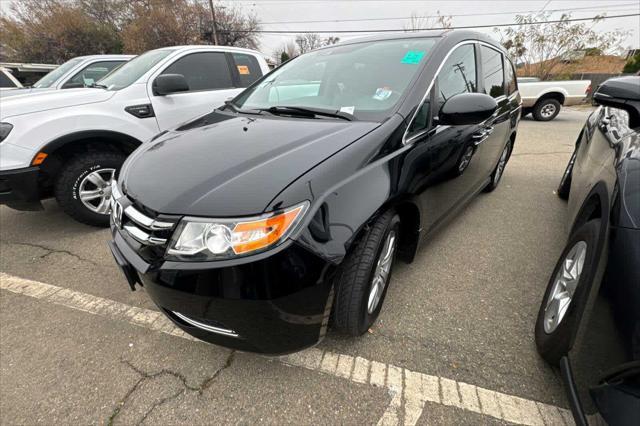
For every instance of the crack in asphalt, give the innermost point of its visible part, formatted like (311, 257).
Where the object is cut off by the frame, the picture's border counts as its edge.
(50, 251)
(144, 376)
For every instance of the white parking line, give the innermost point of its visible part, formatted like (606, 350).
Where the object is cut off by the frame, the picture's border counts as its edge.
(410, 390)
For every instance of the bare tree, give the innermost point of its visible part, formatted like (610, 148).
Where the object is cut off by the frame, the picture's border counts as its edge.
(540, 47)
(331, 40)
(308, 42)
(422, 22)
(285, 52)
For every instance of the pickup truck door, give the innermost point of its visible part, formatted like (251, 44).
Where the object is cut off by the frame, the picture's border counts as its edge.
(211, 78)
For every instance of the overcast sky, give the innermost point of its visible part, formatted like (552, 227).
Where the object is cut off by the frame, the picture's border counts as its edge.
(287, 14)
(464, 13)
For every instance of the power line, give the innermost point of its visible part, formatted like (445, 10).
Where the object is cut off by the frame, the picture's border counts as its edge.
(393, 30)
(445, 15)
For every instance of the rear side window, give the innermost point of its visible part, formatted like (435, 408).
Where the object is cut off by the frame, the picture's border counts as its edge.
(248, 68)
(5, 81)
(512, 86)
(458, 74)
(92, 73)
(203, 71)
(492, 72)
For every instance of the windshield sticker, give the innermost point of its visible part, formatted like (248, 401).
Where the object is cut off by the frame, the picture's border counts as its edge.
(382, 93)
(243, 70)
(348, 110)
(413, 57)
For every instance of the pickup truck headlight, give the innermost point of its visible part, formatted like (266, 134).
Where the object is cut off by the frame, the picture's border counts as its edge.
(5, 129)
(198, 239)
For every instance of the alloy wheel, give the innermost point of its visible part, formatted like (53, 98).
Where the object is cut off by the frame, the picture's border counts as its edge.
(548, 110)
(95, 190)
(501, 164)
(564, 286)
(381, 273)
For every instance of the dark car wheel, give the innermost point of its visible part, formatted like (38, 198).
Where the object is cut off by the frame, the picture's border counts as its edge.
(566, 294)
(364, 276)
(497, 173)
(546, 109)
(83, 187)
(565, 182)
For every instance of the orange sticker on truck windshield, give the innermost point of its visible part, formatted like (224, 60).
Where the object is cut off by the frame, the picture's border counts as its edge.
(243, 69)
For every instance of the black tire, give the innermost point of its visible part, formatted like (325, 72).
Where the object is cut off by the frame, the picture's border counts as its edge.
(526, 111)
(496, 174)
(556, 343)
(354, 279)
(543, 105)
(565, 182)
(73, 172)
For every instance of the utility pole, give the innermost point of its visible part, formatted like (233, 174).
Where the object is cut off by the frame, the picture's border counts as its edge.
(213, 22)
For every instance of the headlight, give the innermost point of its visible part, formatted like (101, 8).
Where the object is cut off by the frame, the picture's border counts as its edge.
(200, 239)
(5, 129)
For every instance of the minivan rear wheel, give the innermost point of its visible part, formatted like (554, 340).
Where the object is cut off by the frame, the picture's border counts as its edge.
(363, 277)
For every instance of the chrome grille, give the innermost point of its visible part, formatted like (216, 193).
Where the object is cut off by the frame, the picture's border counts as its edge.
(144, 229)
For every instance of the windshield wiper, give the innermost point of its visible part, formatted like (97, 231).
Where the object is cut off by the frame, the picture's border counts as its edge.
(98, 86)
(231, 105)
(308, 112)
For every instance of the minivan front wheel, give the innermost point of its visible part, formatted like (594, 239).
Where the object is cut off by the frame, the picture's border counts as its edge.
(364, 276)
(83, 187)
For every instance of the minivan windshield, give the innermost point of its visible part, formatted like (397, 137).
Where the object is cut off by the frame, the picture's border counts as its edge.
(128, 73)
(49, 79)
(365, 80)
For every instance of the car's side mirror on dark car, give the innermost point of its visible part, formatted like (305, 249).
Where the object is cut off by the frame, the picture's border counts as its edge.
(166, 84)
(622, 93)
(467, 108)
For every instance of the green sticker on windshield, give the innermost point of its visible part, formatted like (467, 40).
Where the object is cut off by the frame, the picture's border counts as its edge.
(413, 57)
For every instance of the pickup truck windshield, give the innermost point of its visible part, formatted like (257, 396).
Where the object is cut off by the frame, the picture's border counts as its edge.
(49, 79)
(365, 80)
(128, 73)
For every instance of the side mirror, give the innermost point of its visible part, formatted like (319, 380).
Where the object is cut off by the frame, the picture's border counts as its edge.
(622, 93)
(467, 108)
(166, 84)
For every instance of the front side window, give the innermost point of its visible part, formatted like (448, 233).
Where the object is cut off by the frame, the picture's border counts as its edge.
(492, 72)
(6, 81)
(91, 74)
(458, 74)
(248, 68)
(203, 71)
(128, 73)
(366, 80)
(53, 76)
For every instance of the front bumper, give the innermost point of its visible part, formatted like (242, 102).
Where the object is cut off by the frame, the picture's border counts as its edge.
(19, 188)
(274, 305)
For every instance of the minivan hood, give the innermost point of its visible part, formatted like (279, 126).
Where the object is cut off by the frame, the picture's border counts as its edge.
(225, 165)
(51, 99)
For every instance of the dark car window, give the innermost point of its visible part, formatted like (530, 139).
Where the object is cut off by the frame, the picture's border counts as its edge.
(248, 68)
(458, 74)
(492, 72)
(203, 71)
(92, 73)
(5, 81)
(512, 86)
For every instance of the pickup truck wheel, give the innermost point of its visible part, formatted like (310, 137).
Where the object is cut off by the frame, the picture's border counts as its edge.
(83, 187)
(566, 294)
(364, 275)
(546, 109)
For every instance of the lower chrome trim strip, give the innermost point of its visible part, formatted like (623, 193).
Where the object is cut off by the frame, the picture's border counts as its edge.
(206, 327)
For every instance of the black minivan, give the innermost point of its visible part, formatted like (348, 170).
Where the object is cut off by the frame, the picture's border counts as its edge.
(254, 225)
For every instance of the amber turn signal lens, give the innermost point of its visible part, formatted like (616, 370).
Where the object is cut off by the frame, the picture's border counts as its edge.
(39, 158)
(251, 236)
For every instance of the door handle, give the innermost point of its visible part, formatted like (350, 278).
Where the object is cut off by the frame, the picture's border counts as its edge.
(482, 135)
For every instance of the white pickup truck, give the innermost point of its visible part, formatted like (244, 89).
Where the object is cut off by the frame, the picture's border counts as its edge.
(78, 72)
(71, 143)
(7, 81)
(544, 99)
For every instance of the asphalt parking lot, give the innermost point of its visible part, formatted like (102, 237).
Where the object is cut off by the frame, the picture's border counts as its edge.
(453, 345)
